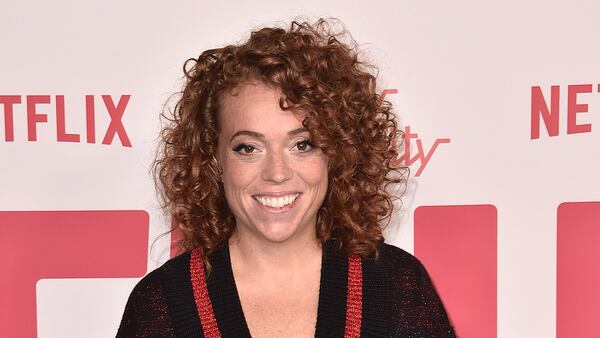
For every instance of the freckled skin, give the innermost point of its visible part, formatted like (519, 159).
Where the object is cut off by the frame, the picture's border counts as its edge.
(274, 162)
(275, 255)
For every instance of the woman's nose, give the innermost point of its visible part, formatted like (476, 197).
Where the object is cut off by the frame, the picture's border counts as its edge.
(276, 168)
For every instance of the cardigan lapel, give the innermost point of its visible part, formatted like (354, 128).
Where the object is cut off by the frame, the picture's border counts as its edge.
(377, 309)
(376, 291)
(331, 313)
(224, 296)
(179, 297)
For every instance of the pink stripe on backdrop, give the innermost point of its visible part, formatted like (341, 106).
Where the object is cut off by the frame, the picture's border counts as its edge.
(177, 237)
(63, 244)
(578, 270)
(458, 246)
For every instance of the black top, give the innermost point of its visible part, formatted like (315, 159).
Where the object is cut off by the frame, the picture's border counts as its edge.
(399, 299)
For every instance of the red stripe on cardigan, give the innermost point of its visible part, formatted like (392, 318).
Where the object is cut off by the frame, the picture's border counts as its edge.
(203, 303)
(354, 298)
(207, 316)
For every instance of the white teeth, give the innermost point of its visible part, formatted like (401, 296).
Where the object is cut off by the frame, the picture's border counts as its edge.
(277, 202)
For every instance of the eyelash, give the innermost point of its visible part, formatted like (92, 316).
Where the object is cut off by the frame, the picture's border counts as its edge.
(243, 146)
(308, 143)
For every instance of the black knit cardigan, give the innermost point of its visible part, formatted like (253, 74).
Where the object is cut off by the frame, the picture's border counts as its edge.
(399, 299)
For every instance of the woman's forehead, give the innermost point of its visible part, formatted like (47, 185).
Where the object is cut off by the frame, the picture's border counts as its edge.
(255, 107)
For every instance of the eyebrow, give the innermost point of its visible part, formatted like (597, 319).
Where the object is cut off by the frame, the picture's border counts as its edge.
(259, 135)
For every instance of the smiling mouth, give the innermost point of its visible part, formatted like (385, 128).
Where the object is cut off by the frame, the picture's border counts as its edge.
(276, 202)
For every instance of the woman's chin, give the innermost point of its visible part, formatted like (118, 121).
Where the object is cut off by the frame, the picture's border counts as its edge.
(279, 233)
(277, 236)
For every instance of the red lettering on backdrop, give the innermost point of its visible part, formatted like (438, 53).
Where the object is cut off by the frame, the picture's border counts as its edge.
(421, 156)
(574, 108)
(61, 133)
(539, 107)
(64, 244)
(90, 119)
(32, 115)
(115, 112)
(388, 91)
(578, 276)
(458, 246)
(407, 136)
(116, 126)
(8, 101)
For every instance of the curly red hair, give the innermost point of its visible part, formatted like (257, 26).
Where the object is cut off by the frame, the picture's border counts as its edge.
(317, 74)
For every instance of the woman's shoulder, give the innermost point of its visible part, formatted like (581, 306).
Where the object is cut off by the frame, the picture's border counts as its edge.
(418, 310)
(152, 283)
(392, 251)
(399, 260)
(405, 270)
(151, 288)
(146, 312)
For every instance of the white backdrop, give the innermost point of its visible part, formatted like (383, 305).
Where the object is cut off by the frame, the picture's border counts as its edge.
(463, 71)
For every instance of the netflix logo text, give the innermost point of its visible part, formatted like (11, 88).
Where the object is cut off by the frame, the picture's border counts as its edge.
(545, 106)
(41, 108)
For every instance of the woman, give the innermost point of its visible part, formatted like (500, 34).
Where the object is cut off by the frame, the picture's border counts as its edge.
(275, 167)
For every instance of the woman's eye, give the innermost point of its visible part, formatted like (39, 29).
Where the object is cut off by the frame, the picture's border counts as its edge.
(244, 149)
(304, 145)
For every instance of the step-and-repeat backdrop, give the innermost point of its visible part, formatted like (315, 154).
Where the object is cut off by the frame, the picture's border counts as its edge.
(499, 102)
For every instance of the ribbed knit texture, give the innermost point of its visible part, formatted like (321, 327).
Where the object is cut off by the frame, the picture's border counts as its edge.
(354, 297)
(224, 296)
(179, 295)
(376, 298)
(399, 299)
(331, 313)
(203, 302)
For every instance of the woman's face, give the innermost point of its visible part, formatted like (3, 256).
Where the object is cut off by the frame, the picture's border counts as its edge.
(275, 181)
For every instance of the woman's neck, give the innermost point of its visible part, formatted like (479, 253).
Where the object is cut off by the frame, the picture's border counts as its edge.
(282, 259)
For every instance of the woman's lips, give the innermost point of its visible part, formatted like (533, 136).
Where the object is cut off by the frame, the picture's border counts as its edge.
(277, 209)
